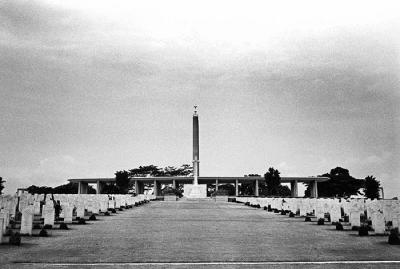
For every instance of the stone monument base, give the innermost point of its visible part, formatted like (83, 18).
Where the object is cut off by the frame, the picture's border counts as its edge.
(195, 191)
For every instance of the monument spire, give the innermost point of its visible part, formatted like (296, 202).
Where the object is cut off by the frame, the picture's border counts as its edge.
(195, 146)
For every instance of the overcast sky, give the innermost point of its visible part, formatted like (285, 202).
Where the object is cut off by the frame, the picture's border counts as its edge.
(91, 87)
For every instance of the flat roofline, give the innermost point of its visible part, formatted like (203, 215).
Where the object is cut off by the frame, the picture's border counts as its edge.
(221, 179)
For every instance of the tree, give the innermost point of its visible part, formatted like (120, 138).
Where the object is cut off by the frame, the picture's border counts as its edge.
(284, 191)
(371, 187)
(110, 188)
(1, 185)
(43, 189)
(144, 171)
(246, 188)
(340, 184)
(272, 181)
(69, 188)
(122, 181)
(229, 189)
(155, 171)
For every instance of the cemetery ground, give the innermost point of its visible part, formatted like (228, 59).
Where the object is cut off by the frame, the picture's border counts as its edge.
(204, 234)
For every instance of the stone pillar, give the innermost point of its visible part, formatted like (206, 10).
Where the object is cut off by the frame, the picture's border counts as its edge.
(314, 189)
(141, 187)
(83, 188)
(293, 188)
(237, 187)
(155, 188)
(256, 188)
(98, 187)
(136, 187)
(216, 185)
(158, 186)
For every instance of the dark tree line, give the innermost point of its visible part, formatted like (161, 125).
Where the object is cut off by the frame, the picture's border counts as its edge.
(342, 184)
(1, 185)
(69, 188)
(122, 178)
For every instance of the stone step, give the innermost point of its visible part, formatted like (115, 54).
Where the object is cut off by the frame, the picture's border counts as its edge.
(208, 199)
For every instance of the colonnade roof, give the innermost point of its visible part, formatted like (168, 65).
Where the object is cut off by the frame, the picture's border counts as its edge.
(204, 179)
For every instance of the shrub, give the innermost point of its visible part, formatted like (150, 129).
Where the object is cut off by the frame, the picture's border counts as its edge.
(43, 233)
(258, 206)
(321, 221)
(291, 215)
(276, 210)
(363, 230)
(247, 203)
(113, 210)
(346, 218)
(15, 238)
(307, 219)
(81, 221)
(92, 217)
(36, 226)
(48, 226)
(63, 226)
(172, 191)
(265, 208)
(339, 226)
(107, 214)
(120, 209)
(269, 208)
(222, 192)
(283, 212)
(394, 238)
(136, 204)
(355, 228)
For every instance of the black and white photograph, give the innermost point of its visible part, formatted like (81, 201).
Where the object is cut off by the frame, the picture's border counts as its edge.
(199, 134)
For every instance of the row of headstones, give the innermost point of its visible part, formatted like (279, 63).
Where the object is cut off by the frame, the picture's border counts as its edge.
(43, 205)
(379, 212)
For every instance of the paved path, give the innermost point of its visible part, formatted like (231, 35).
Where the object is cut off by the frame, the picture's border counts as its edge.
(206, 234)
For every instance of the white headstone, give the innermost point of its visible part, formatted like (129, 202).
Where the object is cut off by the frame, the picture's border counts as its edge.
(27, 220)
(378, 222)
(6, 216)
(49, 214)
(36, 207)
(111, 203)
(80, 210)
(1, 229)
(67, 213)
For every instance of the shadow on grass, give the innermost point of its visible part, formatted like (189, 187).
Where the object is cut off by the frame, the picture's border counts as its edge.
(23, 244)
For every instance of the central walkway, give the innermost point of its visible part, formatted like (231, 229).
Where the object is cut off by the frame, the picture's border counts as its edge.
(193, 232)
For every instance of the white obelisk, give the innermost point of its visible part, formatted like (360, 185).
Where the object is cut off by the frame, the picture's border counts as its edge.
(195, 147)
(195, 190)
